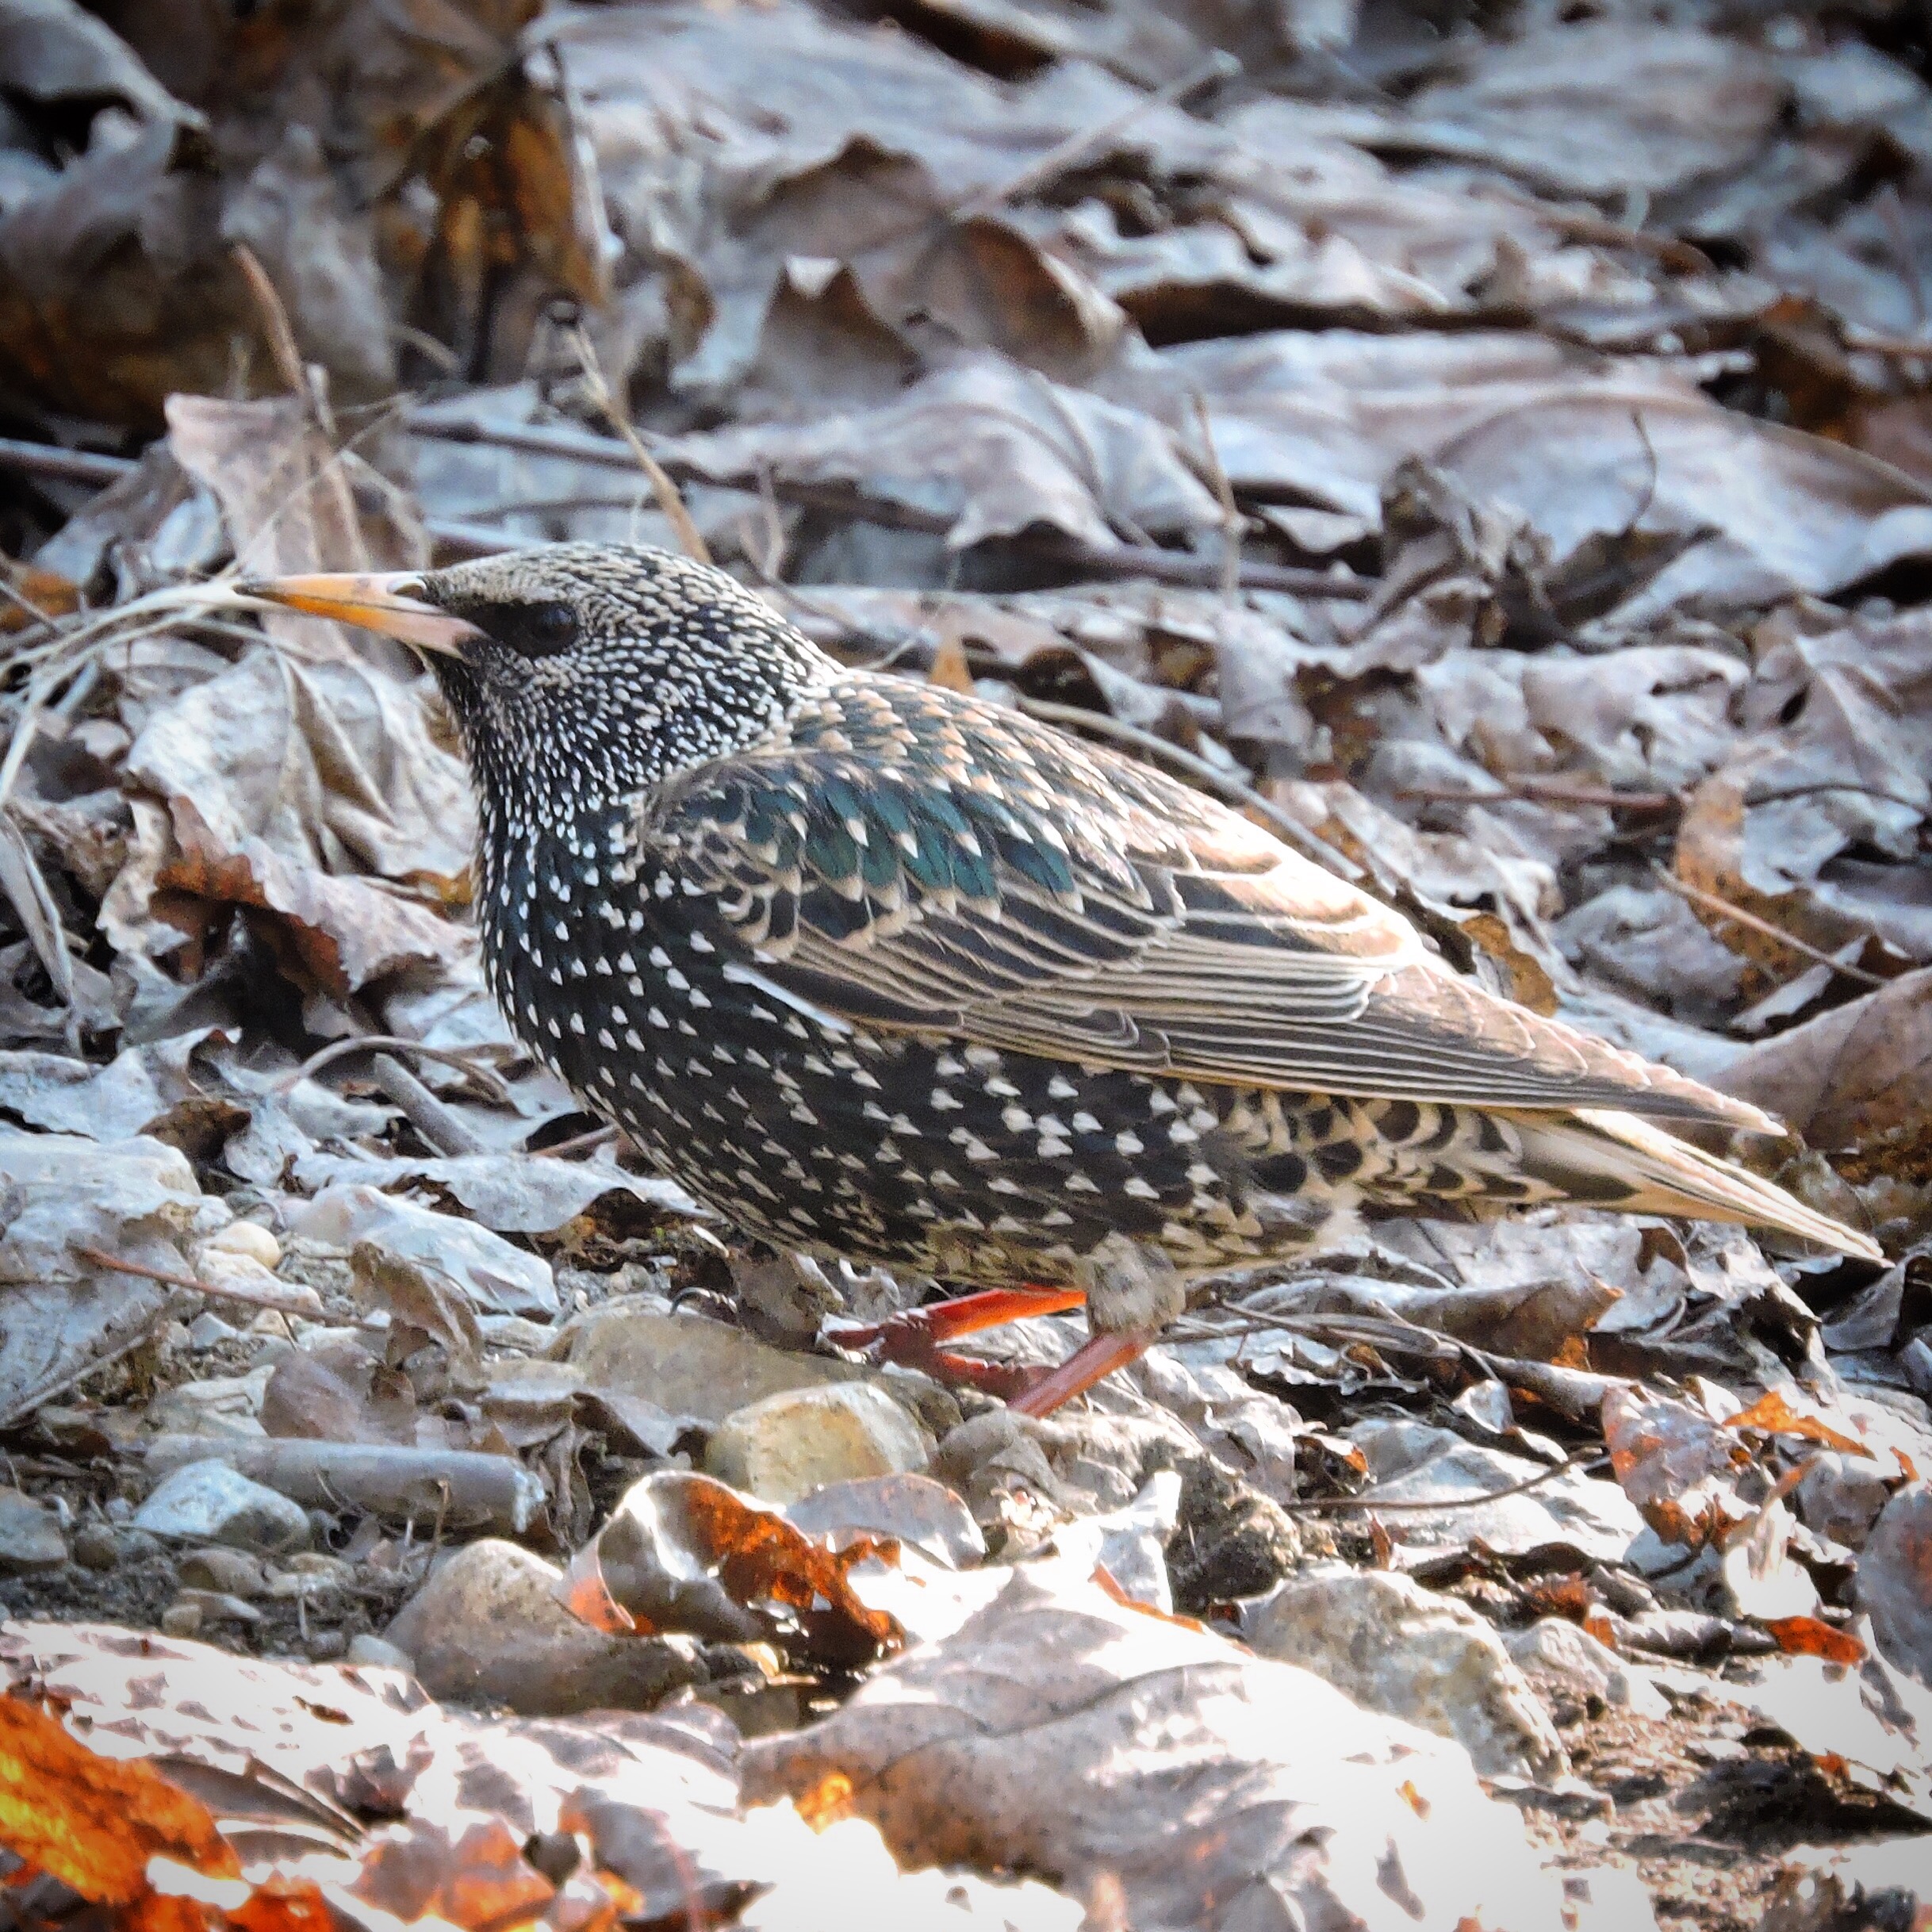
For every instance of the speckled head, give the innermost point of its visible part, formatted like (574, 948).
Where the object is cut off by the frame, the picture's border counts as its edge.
(596, 671)
(584, 673)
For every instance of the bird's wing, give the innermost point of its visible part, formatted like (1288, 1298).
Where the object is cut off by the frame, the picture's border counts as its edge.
(907, 858)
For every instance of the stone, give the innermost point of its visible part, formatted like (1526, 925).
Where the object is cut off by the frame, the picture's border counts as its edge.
(1557, 1653)
(249, 1238)
(919, 1512)
(487, 1627)
(1383, 1640)
(234, 1571)
(378, 1653)
(208, 1502)
(31, 1541)
(182, 1619)
(789, 1444)
(1230, 1541)
(96, 1546)
(207, 1331)
(686, 1364)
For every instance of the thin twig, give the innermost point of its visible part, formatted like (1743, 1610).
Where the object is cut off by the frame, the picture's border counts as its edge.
(173, 1306)
(1327, 1504)
(1710, 902)
(485, 1077)
(216, 1291)
(281, 343)
(1310, 845)
(669, 501)
(1218, 65)
(431, 1117)
(1224, 490)
(1920, 806)
(46, 459)
(1552, 791)
(578, 1144)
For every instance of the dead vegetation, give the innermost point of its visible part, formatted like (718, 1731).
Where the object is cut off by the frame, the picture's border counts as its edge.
(1490, 445)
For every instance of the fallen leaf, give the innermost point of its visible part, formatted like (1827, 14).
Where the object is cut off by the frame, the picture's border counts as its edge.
(95, 1823)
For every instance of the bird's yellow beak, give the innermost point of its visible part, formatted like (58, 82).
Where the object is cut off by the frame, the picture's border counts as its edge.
(381, 602)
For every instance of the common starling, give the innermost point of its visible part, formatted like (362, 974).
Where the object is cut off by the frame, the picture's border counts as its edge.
(883, 971)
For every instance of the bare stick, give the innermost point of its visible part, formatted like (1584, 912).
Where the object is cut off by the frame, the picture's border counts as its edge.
(281, 344)
(290, 1304)
(1324, 1505)
(1230, 511)
(669, 501)
(429, 1115)
(1712, 902)
(1063, 155)
(485, 1077)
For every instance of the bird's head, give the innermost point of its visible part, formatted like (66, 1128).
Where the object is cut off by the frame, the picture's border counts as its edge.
(583, 673)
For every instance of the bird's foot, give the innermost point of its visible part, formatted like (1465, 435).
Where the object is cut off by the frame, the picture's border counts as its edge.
(917, 1338)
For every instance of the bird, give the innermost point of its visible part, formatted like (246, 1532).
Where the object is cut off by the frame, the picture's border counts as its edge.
(889, 972)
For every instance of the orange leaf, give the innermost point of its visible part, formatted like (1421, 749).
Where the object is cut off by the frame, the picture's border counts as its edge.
(93, 1824)
(1104, 1580)
(480, 1881)
(1776, 1416)
(283, 1905)
(1807, 1636)
(827, 1802)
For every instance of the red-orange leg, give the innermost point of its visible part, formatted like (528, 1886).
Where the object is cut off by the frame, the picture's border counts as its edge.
(1092, 1361)
(917, 1338)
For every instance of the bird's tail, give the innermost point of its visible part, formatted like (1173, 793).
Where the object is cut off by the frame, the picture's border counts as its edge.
(1658, 1173)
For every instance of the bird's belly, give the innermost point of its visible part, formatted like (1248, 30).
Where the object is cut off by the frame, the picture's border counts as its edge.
(931, 1153)
(913, 1151)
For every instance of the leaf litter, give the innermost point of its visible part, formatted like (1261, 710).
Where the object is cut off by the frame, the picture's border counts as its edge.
(1494, 450)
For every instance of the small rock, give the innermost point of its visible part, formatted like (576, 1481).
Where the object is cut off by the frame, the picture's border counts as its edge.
(1556, 1652)
(249, 1238)
(137, 1546)
(30, 1538)
(207, 1331)
(916, 1509)
(234, 1571)
(334, 1569)
(785, 1299)
(686, 1365)
(379, 1653)
(208, 1502)
(487, 1627)
(323, 1646)
(96, 1546)
(181, 1620)
(1383, 1640)
(1232, 1541)
(788, 1445)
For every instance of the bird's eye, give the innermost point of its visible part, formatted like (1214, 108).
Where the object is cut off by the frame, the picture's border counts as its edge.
(547, 627)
